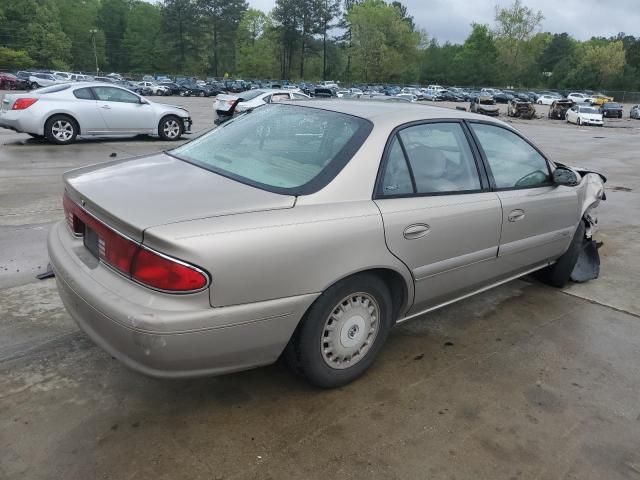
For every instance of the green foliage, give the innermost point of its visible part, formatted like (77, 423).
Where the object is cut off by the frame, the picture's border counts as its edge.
(15, 59)
(373, 41)
(383, 46)
(477, 60)
(140, 39)
(256, 46)
(112, 20)
(221, 20)
(515, 27)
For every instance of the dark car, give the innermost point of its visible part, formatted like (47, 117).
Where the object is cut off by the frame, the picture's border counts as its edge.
(173, 87)
(611, 110)
(192, 90)
(8, 81)
(324, 92)
(214, 88)
(503, 97)
(234, 87)
(449, 96)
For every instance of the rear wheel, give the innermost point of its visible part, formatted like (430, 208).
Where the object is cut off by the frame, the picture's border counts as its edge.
(170, 128)
(342, 332)
(61, 129)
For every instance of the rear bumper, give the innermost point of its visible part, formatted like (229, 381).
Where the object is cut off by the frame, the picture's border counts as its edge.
(21, 121)
(165, 342)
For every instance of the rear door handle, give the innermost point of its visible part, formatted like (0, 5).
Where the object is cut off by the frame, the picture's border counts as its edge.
(515, 215)
(416, 231)
(106, 107)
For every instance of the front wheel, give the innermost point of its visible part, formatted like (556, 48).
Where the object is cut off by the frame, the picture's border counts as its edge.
(61, 130)
(170, 128)
(343, 332)
(579, 122)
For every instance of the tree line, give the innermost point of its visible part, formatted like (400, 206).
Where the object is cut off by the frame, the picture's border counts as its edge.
(371, 41)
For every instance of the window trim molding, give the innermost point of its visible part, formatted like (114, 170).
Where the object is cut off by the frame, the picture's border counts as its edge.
(487, 166)
(480, 167)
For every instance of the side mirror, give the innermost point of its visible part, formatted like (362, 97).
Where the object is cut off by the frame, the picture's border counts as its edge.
(565, 176)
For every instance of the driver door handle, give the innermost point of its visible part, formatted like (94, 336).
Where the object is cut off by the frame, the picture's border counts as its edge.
(106, 107)
(515, 215)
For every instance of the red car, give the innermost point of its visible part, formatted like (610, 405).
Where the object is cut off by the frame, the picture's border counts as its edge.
(8, 81)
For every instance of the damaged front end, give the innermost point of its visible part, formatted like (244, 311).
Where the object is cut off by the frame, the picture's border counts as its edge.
(591, 193)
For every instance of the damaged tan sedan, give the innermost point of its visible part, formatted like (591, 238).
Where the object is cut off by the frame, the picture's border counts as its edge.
(307, 231)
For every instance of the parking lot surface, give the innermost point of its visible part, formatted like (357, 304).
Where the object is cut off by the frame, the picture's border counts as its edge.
(520, 382)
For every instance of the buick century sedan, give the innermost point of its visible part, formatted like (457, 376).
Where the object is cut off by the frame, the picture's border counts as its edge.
(307, 230)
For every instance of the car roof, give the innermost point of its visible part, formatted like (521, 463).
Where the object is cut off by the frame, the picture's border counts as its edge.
(391, 113)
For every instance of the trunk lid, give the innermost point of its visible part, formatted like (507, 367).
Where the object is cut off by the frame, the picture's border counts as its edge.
(133, 195)
(225, 102)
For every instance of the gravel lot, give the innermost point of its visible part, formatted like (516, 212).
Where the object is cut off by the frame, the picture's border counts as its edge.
(521, 382)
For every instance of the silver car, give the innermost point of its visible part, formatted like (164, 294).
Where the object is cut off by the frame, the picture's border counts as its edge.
(308, 229)
(60, 113)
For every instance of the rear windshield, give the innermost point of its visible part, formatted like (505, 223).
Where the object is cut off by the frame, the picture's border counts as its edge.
(588, 110)
(612, 105)
(282, 148)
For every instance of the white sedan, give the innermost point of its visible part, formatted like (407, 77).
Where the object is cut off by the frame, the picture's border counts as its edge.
(547, 99)
(62, 112)
(155, 88)
(582, 115)
(224, 104)
(580, 98)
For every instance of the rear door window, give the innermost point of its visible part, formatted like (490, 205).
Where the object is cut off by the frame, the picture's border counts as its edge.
(440, 158)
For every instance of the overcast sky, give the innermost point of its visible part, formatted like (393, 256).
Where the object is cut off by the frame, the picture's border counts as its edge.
(450, 19)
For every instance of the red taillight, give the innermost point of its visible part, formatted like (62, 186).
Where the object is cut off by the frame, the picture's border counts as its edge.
(22, 103)
(164, 273)
(131, 259)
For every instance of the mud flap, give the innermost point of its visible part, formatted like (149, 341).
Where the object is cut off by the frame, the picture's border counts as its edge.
(587, 266)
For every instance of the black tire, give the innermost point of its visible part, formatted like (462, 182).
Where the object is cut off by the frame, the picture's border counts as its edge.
(170, 128)
(578, 122)
(201, 94)
(304, 353)
(61, 129)
(558, 274)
